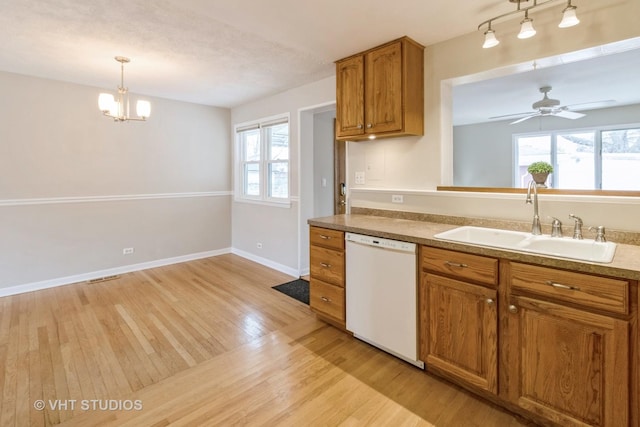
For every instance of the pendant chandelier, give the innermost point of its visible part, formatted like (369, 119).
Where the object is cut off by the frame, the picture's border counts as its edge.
(569, 19)
(118, 108)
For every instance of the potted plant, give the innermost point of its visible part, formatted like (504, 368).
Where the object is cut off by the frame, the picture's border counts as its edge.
(540, 171)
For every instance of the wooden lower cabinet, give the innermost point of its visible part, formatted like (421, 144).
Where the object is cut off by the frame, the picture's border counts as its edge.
(462, 321)
(327, 281)
(557, 346)
(568, 365)
(327, 299)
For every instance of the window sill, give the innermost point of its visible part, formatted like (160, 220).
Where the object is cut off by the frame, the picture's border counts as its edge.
(283, 204)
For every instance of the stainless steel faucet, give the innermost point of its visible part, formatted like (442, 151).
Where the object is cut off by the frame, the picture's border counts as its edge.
(600, 237)
(577, 228)
(535, 226)
(556, 227)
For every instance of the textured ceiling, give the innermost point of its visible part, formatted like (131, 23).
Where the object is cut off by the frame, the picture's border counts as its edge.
(603, 77)
(214, 52)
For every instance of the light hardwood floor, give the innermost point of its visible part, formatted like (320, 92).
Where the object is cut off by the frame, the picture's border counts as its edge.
(206, 342)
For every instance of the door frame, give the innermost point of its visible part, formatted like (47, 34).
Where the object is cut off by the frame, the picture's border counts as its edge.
(305, 178)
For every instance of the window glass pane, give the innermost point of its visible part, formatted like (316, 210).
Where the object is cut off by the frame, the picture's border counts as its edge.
(531, 149)
(251, 145)
(278, 141)
(621, 159)
(279, 180)
(575, 162)
(252, 179)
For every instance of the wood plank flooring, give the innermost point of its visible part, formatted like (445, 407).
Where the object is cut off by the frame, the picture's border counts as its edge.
(206, 342)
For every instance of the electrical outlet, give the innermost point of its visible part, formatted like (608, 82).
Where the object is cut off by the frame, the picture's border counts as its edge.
(128, 251)
(259, 245)
(360, 178)
(397, 198)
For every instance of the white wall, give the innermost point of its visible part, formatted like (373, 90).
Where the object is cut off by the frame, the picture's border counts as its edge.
(323, 148)
(76, 188)
(417, 165)
(277, 228)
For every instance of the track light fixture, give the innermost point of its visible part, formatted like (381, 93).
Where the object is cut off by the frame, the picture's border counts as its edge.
(569, 19)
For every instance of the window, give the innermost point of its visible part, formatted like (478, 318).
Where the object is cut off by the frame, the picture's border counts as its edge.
(600, 158)
(263, 161)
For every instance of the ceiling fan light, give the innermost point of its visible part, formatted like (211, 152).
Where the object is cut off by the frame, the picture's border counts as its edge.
(490, 39)
(105, 102)
(143, 108)
(526, 29)
(569, 18)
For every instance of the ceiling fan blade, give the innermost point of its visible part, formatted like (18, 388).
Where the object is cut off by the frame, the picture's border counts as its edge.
(511, 115)
(566, 114)
(524, 118)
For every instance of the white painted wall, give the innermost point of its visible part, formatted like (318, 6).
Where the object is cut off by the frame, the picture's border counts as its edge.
(279, 229)
(417, 165)
(76, 188)
(323, 179)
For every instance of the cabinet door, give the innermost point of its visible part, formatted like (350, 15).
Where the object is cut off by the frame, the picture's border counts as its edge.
(462, 331)
(350, 97)
(383, 89)
(568, 365)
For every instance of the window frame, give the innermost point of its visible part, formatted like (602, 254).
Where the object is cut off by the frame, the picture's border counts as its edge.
(553, 136)
(264, 163)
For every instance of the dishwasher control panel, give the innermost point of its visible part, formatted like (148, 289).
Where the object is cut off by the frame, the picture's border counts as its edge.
(380, 242)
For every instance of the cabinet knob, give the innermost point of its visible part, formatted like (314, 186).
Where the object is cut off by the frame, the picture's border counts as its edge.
(359, 126)
(369, 125)
(513, 308)
(490, 301)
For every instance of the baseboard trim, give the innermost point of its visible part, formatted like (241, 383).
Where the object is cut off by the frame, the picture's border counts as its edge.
(266, 262)
(46, 284)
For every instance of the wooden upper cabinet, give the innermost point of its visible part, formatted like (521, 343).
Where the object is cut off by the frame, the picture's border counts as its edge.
(350, 96)
(381, 92)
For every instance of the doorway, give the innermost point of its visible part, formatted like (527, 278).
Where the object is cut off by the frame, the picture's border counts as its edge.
(323, 187)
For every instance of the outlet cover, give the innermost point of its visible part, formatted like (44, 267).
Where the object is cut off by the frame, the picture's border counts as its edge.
(397, 198)
(360, 178)
(127, 251)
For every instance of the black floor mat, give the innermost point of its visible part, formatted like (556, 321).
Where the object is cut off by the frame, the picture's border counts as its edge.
(298, 289)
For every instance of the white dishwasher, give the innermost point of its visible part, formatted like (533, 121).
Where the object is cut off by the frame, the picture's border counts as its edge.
(381, 294)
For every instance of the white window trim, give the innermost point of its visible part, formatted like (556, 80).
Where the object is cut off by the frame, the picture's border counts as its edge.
(263, 199)
(597, 130)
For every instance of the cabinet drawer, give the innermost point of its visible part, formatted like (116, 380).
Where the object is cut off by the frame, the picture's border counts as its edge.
(590, 291)
(465, 266)
(328, 238)
(327, 299)
(327, 265)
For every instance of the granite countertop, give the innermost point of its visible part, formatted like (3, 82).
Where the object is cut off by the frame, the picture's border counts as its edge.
(625, 264)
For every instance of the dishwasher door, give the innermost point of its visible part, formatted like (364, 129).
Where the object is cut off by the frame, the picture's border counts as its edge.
(381, 294)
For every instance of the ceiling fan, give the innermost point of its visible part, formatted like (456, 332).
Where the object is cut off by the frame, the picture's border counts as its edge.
(550, 107)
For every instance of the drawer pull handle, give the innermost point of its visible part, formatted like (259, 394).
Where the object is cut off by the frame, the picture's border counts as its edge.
(325, 299)
(325, 265)
(455, 264)
(561, 286)
(322, 236)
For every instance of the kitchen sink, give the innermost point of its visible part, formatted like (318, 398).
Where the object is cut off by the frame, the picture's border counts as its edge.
(563, 247)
